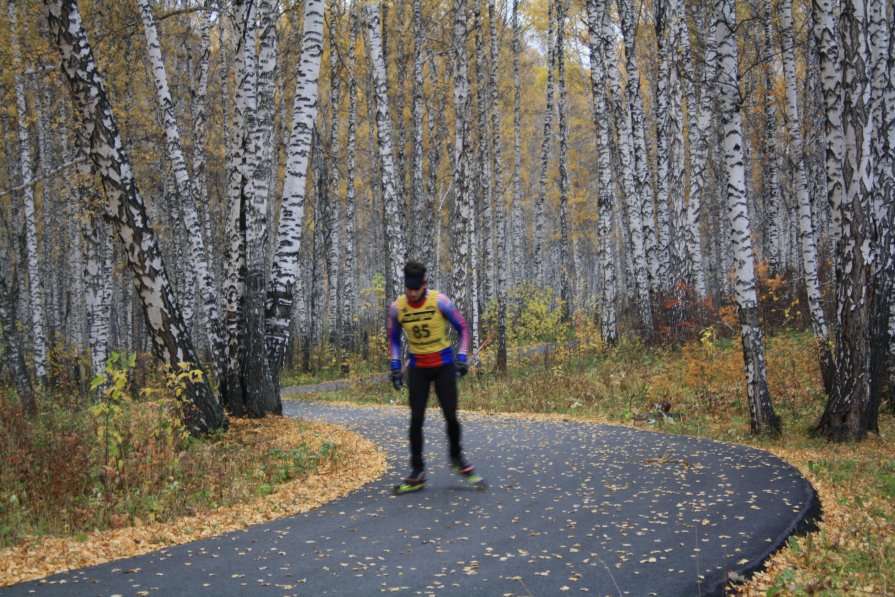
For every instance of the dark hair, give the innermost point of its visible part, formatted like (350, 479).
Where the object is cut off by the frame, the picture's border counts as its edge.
(414, 269)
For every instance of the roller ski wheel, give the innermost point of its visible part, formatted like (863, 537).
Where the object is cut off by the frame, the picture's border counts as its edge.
(413, 482)
(468, 474)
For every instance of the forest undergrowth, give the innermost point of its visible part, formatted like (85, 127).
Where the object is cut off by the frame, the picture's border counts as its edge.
(126, 459)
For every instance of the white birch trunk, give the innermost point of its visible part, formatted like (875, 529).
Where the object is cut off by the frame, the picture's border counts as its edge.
(848, 416)
(698, 135)
(54, 268)
(170, 338)
(26, 167)
(639, 155)
(462, 222)
(881, 14)
(631, 190)
(174, 149)
(304, 113)
(540, 216)
(518, 249)
(500, 213)
(234, 283)
(97, 271)
(677, 254)
(826, 32)
(334, 205)
(419, 202)
(480, 198)
(485, 189)
(771, 183)
(665, 42)
(565, 269)
(432, 219)
(264, 172)
(606, 199)
(348, 301)
(393, 215)
(97, 278)
(14, 351)
(396, 118)
(763, 418)
(806, 223)
(887, 188)
(199, 113)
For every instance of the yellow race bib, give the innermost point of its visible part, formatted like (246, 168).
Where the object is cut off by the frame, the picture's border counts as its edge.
(426, 328)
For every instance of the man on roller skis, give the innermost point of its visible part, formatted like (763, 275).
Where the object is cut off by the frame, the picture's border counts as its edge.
(426, 316)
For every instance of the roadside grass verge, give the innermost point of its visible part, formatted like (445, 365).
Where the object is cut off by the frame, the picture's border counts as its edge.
(77, 468)
(700, 386)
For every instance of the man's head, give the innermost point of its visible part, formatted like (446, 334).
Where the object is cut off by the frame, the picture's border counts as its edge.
(415, 280)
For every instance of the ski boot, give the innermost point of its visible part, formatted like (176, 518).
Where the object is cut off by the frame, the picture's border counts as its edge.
(415, 481)
(467, 471)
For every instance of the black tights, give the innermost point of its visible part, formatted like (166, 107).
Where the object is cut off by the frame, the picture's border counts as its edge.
(418, 383)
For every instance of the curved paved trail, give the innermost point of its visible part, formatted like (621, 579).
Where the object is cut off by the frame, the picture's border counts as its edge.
(572, 508)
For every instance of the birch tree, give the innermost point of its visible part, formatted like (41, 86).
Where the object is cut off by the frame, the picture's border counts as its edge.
(623, 121)
(280, 294)
(393, 216)
(432, 219)
(420, 203)
(170, 338)
(664, 107)
(850, 411)
(350, 193)
(763, 418)
(14, 351)
(462, 199)
(677, 253)
(698, 133)
(516, 214)
(98, 278)
(540, 216)
(334, 210)
(562, 108)
(639, 155)
(483, 197)
(500, 214)
(608, 291)
(199, 116)
(203, 273)
(882, 208)
(232, 389)
(887, 186)
(771, 181)
(26, 170)
(97, 264)
(806, 221)
(825, 32)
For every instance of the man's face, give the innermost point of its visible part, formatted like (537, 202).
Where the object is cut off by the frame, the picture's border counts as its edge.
(415, 295)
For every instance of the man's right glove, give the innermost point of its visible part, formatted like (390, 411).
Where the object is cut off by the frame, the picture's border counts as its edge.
(397, 375)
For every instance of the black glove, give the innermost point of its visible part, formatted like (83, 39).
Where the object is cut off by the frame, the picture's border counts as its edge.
(397, 379)
(461, 368)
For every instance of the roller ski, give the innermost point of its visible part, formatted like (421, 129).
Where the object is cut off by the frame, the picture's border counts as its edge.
(415, 481)
(468, 474)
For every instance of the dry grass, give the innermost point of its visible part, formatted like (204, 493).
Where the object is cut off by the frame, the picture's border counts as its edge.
(356, 462)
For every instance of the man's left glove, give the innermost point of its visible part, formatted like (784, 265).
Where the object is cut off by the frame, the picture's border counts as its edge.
(397, 375)
(461, 367)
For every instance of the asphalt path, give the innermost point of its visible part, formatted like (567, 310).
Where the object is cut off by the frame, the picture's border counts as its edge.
(571, 508)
